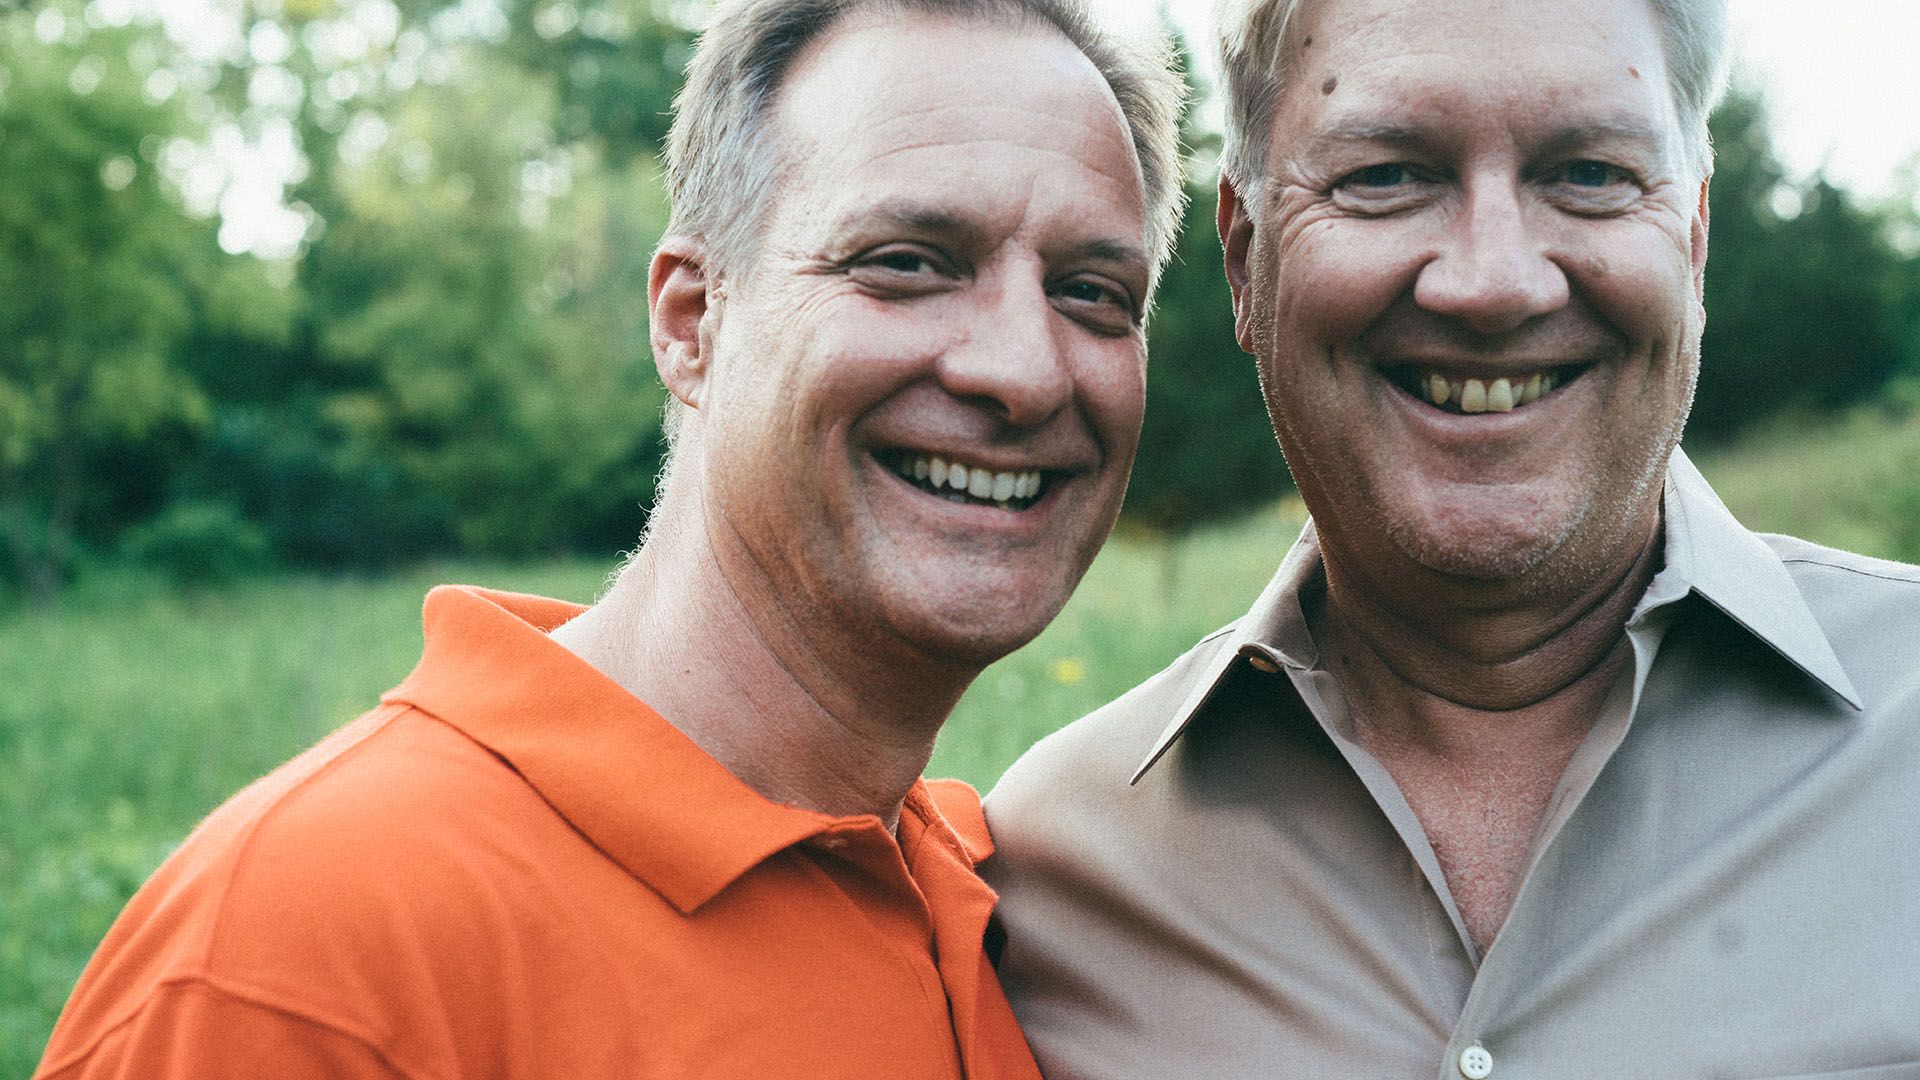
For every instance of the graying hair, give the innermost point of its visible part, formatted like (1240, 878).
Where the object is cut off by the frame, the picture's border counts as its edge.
(1256, 48)
(723, 163)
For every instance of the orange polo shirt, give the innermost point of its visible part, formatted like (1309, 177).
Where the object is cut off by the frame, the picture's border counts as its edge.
(514, 868)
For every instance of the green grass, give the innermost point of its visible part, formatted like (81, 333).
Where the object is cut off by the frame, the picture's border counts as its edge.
(1852, 483)
(132, 711)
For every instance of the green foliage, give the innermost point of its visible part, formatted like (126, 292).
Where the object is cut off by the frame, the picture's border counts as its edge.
(1807, 298)
(91, 305)
(614, 65)
(487, 343)
(199, 543)
(455, 358)
(1207, 452)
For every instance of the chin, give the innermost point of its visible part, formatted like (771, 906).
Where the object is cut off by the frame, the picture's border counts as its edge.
(976, 630)
(1488, 544)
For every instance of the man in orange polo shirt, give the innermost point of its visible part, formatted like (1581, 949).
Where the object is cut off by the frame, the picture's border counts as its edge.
(682, 833)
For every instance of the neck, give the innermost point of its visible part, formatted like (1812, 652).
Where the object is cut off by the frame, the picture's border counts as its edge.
(1460, 668)
(811, 716)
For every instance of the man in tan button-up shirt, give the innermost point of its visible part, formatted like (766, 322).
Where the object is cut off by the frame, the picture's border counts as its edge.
(1531, 761)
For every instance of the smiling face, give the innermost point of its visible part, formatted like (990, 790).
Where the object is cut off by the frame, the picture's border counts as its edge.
(1472, 282)
(924, 392)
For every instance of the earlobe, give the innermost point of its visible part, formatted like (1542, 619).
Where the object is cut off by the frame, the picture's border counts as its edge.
(1236, 244)
(680, 296)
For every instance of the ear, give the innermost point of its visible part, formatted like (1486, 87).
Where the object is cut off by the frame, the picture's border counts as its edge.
(1699, 245)
(680, 295)
(1236, 244)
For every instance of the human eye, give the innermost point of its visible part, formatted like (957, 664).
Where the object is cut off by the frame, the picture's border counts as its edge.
(1102, 305)
(1383, 187)
(902, 269)
(1599, 186)
(1593, 174)
(1390, 174)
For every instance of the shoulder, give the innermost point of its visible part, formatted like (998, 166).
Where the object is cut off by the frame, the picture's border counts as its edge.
(1085, 767)
(367, 880)
(1869, 610)
(1812, 563)
(1110, 742)
(419, 844)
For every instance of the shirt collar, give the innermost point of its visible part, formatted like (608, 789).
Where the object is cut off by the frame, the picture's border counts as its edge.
(1734, 570)
(629, 781)
(1707, 552)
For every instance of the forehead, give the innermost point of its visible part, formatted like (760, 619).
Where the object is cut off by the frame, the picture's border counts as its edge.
(1544, 62)
(933, 106)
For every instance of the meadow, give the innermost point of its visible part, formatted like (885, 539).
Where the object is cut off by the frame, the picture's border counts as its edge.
(136, 707)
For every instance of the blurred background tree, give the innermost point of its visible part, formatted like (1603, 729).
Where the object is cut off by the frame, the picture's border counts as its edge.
(450, 356)
(103, 280)
(453, 358)
(1207, 452)
(1808, 299)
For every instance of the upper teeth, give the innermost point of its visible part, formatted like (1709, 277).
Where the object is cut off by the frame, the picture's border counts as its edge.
(979, 483)
(1496, 395)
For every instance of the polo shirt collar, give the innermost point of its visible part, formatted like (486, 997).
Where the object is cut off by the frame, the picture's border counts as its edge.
(1708, 552)
(630, 782)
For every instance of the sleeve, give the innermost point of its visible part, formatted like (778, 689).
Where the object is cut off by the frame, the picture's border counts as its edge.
(193, 1030)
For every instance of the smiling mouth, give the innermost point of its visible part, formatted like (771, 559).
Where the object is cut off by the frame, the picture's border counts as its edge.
(955, 482)
(1463, 396)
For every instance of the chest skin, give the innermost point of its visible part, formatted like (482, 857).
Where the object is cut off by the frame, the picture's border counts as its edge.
(1481, 819)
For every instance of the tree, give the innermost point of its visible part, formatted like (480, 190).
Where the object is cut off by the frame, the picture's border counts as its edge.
(1207, 451)
(93, 249)
(1806, 295)
(486, 344)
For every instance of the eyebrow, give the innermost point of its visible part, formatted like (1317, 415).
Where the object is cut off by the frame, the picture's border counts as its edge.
(931, 220)
(1109, 251)
(1605, 131)
(913, 217)
(1367, 133)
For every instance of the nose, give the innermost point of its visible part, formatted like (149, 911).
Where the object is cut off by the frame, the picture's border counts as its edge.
(1491, 271)
(1009, 357)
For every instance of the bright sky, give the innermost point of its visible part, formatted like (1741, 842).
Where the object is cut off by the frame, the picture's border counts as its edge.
(1841, 79)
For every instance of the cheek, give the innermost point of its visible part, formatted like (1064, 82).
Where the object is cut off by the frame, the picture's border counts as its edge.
(1643, 285)
(856, 354)
(1333, 279)
(1110, 380)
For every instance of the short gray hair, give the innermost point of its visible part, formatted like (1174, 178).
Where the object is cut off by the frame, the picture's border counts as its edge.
(1256, 47)
(721, 164)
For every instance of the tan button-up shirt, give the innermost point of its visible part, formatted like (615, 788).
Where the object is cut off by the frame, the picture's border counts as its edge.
(1209, 878)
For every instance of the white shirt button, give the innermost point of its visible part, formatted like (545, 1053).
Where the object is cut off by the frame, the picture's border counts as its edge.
(1476, 1063)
